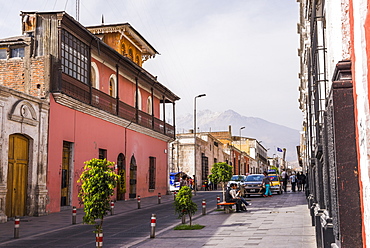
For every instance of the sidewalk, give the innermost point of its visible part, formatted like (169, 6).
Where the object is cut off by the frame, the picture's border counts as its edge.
(31, 226)
(277, 222)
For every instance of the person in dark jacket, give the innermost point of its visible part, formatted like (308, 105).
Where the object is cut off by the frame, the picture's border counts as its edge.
(299, 180)
(231, 196)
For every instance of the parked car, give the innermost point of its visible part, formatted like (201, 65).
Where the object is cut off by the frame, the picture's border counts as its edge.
(238, 179)
(276, 186)
(253, 185)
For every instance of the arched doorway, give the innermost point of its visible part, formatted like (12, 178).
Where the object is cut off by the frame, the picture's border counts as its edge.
(17, 181)
(133, 170)
(121, 188)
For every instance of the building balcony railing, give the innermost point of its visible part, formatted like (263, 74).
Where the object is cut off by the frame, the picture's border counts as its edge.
(109, 104)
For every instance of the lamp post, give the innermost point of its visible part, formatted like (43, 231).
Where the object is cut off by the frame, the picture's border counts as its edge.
(240, 147)
(240, 138)
(195, 142)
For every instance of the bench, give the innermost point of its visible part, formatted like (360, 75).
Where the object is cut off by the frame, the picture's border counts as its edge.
(227, 206)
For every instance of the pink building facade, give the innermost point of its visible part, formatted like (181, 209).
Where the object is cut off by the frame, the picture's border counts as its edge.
(101, 104)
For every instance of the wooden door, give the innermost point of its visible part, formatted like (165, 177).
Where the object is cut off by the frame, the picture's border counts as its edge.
(65, 182)
(133, 182)
(121, 187)
(17, 176)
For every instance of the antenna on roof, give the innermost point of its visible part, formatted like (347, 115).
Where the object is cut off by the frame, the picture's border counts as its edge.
(78, 10)
(102, 20)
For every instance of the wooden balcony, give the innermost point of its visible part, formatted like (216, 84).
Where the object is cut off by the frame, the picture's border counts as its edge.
(98, 99)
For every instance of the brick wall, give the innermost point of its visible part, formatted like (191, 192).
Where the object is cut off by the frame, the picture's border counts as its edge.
(37, 84)
(14, 75)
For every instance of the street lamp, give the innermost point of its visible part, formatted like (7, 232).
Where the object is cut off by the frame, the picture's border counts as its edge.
(240, 146)
(195, 142)
(240, 138)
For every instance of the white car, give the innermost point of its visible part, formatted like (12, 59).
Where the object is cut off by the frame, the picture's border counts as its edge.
(238, 179)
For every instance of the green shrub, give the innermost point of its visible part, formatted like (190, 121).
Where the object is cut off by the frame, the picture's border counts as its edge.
(184, 204)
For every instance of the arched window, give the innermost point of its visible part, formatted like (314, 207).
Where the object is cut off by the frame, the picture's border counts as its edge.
(133, 182)
(112, 86)
(130, 54)
(94, 78)
(149, 105)
(123, 49)
(139, 104)
(137, 60)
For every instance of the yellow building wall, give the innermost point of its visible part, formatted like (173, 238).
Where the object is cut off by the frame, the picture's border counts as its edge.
(124, 47)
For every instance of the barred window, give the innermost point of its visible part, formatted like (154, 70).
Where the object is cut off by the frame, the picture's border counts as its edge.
(74, 57)
(152, 172)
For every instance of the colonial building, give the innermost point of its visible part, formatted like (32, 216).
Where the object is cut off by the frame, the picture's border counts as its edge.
(334, 96)
(245, 155)
(23, 152)
(255, 150)
(102, 104)
(209, 150)
(238, 157)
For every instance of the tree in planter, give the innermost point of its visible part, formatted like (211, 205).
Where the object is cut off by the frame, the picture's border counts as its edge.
(98, 181)
(221, 173)
(184, 204)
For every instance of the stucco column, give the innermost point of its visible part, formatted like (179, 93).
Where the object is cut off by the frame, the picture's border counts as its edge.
(3, 166)
(41, 190)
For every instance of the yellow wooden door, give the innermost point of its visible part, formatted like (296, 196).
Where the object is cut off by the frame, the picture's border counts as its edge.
(17, 176)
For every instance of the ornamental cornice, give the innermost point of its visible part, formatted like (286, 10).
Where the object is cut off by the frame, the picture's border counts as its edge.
(145, 49)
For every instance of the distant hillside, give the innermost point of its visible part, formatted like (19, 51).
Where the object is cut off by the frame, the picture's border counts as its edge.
(272, 135)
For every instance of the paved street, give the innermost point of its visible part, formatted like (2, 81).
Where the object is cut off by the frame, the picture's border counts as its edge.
(279, 221)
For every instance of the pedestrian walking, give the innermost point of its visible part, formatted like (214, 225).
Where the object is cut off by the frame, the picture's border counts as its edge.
(266, 181)
(191, 183)
(206, 186)
(184, 181)
(284, 177)
(299, 180)
(293, 181)
(303, 181)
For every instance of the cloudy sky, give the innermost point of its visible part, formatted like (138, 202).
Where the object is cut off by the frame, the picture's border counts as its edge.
(241, 53)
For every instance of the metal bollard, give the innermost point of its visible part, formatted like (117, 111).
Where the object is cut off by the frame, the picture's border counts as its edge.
(318, 227)
(218, 201)
(312, 213)
(328, 233)
(74, 215)
(204, 207)
(111, 207)
(138, 202)
(159, 198)
(16, 227)
(99, 240)
(152, 226)
(174, 195)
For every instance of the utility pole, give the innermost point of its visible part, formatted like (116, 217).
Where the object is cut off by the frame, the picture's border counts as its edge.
(195, 142)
